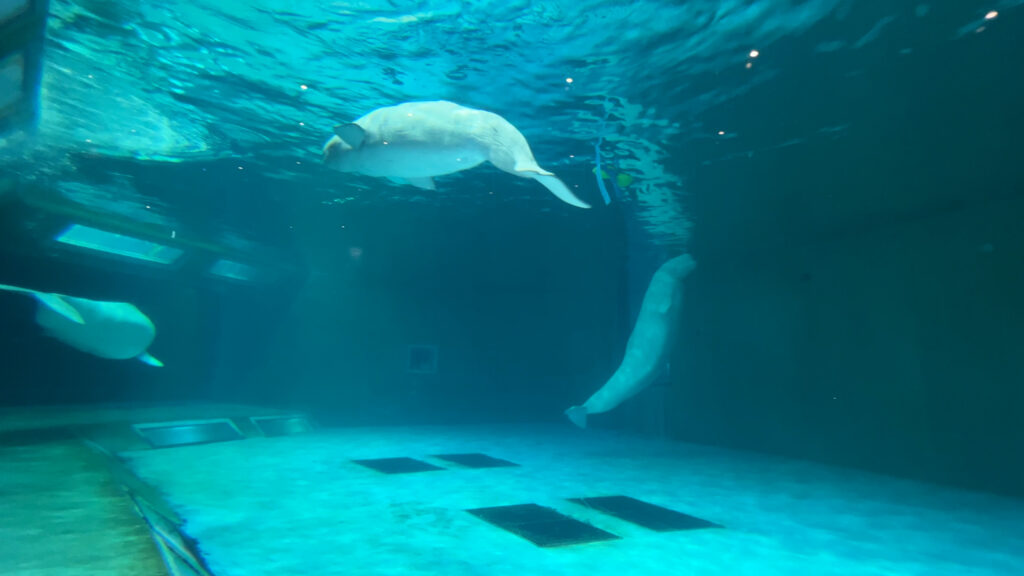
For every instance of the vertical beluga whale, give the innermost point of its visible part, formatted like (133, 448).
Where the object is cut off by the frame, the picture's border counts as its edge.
(411, 143)
(113, 330)
(650, 343)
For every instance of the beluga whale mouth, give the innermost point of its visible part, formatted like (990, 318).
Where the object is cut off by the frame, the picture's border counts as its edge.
(414, 142)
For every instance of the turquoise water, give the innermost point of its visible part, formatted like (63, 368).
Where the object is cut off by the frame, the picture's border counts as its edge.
(844, 172)
(261, 83)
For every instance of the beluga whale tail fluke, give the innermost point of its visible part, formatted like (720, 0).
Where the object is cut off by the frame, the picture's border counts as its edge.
(649, 345)
(413, 142)
(559, 189)
(577, 415)
(113, 330)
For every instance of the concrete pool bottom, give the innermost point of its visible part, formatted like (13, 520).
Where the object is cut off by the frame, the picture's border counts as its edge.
(300, 505)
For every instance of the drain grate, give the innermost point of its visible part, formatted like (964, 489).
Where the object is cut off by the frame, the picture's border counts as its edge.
(543, 526)
(476, 460)
(282, 425)
(398, 465)
(650, 516)
(169, 434)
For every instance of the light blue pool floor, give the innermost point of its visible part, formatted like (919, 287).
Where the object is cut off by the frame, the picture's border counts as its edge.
(299, 506)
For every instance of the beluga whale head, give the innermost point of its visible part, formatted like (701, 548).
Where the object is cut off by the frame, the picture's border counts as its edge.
(337, 152)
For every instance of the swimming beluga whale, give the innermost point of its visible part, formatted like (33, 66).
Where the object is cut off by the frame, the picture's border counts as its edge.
(411, 143)
(114, 330)
(649, 344)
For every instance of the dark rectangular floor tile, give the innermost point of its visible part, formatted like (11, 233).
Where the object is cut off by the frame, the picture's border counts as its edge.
(401, 465)
(543, 526)
(476, 460)
(645, 514)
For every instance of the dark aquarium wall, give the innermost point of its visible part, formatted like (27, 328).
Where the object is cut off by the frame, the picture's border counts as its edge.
(859, 301)
(390, 313)
(440, 314)
(206, 325)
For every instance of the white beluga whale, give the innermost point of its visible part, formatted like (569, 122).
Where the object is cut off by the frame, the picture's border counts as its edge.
(114, 330)
(411, 143)
(650, 343)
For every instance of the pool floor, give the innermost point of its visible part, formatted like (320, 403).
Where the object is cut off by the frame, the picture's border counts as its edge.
(303, 505)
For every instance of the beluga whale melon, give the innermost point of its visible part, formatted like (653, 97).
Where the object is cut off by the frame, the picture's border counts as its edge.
(649, 345)
(411, 143)
(112, 330)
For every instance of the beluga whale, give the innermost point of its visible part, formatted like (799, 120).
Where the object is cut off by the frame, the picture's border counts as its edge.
(113, 330)
(413, 142)
(649, 345)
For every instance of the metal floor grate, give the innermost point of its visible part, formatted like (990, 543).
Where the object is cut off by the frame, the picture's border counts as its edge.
(543, 526)
(398, 465)
(650, 516)
(476, 460)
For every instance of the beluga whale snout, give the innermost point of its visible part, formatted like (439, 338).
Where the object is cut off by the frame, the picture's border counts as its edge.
(411, 143)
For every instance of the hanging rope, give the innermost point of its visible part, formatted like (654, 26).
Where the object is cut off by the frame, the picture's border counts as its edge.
(597, 158)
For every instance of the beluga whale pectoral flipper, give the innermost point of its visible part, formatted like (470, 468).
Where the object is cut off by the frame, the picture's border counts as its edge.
(416, 141)
(113, 330)
(649, 345)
